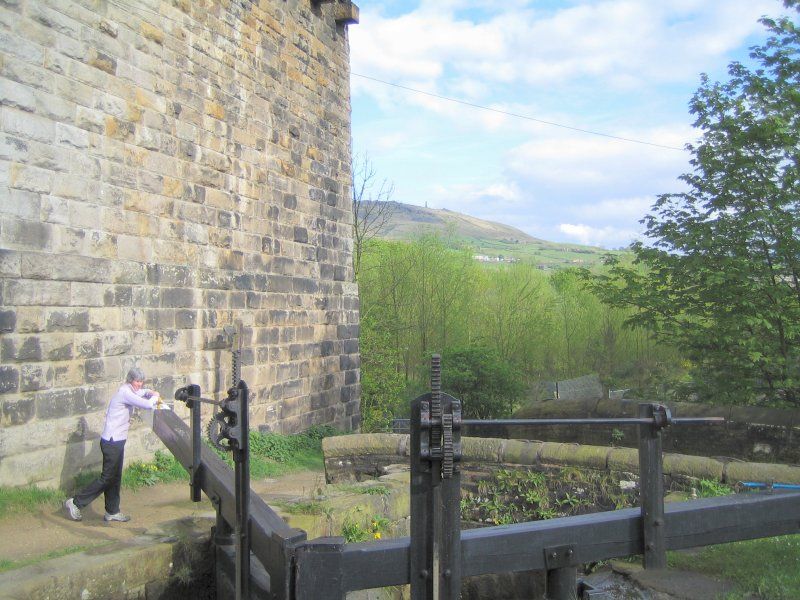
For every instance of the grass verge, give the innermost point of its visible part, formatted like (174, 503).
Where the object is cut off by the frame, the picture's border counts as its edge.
(271, 455)
(27, 499)
(768, 568)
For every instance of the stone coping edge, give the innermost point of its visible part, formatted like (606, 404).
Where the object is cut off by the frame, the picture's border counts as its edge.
(118, 570)
(522, 452)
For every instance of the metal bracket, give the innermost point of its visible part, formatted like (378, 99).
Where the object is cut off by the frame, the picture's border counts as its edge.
(662, 417)
(440, 425)
(558, 557)
(447, 448)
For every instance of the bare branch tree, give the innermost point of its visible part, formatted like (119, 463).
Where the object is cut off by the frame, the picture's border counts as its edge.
(372, 208)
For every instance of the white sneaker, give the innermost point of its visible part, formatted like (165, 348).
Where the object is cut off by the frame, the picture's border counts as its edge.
(116, 517)
(73, 512)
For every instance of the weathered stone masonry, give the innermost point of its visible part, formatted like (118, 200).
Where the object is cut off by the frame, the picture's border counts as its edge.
(168, 168)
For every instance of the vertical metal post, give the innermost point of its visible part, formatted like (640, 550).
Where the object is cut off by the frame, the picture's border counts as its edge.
(421, 503)
(241, 459)
(651, 490)
(448, 515)
(222, 538)
(435, 500)
(562, 584)
(197, 432)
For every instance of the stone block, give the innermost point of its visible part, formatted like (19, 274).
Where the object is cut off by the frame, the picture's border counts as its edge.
(57, 403)
(160, 319)
(35, 376)
(102, 61)
(8, 321)
(27, 125)
(9, 379)
(349, 361)
(69, 135)
(700, 467)
(363, 444)
(186, 319)
(623, 459)
(17, 95)
(594, 457)
(482, 450)
(88, 345)
(177, 297)
(520, 452)
(17, 411)
(30, 319)
(28, 235)
(760, 473)
(67, 319)
(68, 374)
(20, 348)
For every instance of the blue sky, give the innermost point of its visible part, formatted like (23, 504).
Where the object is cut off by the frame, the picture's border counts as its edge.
(624, 68)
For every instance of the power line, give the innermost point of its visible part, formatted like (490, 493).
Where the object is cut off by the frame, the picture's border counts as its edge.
(516, 115)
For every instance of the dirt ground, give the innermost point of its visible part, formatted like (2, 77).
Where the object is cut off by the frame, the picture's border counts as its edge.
(152, 509)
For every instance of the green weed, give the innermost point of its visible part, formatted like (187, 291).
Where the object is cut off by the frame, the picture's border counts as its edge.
(353, 531)
(310, 507)
(514, 496)
(708, 488)
(163, 468)
(371, 490)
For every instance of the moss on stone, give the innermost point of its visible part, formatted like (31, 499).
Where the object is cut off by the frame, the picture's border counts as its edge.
(362, 444)
(520, 452)
(693, 466)
(481, 449)
(761, 472)
(623, 459)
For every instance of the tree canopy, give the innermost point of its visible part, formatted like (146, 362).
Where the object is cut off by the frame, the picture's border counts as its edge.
(719, 276)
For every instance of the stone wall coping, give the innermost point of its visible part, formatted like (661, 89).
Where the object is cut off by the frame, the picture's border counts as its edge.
(523, 452)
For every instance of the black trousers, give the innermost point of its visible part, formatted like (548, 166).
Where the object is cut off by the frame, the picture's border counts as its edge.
(110, 479)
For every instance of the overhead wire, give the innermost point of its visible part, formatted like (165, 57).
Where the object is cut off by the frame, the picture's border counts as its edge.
(516, 115)
(122, 6)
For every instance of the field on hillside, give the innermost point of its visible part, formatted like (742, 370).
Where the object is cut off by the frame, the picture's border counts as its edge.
(495, 241)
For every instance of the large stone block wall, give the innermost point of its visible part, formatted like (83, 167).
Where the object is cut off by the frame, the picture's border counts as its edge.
(167, 168)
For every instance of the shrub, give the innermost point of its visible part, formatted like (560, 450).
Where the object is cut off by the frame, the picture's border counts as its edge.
(488, 386)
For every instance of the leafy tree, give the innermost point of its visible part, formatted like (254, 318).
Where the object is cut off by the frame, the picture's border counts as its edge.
(722, 274)
(509, 317)
(487, 385)
(372, 208)
(382, 383)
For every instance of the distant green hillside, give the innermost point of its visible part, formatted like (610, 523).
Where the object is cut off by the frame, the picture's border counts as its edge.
(487, 238)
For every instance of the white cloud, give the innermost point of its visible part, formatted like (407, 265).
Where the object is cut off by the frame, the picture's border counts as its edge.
(607, 236)
(621, 67)
(390, 141)
(630, 209)
(568, 161)
(622, 42)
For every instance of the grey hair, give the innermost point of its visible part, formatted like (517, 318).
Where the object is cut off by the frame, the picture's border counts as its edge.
(135, 374)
